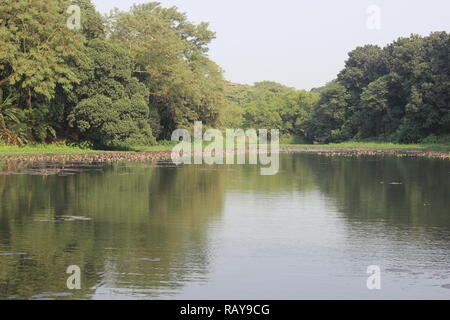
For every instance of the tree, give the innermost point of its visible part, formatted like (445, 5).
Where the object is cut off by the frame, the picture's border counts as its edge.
(373, 109)
(363, 66)
(231, 117)
(239, 94)
(36, 43)
(169, 54)
(275, 106)
(113, 124)
(35, 48)
(110, 105)
(328, 119)
(398, 93)
(428, 103)
(92, 22)
(296, 112)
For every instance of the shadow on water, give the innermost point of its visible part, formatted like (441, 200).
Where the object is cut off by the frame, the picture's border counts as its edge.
(144, 231)
(408, 191)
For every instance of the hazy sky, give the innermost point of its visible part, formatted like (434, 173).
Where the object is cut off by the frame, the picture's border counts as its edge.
(300, 43)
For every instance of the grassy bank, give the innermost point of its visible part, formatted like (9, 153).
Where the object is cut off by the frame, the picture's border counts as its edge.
(42, 149)
(375, 146)
(344, 146)
(55, 149)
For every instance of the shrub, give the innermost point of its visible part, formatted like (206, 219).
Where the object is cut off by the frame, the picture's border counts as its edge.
(113, 124)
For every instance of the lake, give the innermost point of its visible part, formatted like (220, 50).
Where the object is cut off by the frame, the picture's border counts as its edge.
(142, 231)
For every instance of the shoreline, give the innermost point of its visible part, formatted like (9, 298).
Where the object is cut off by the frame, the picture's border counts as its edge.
(92, 156)
(368, 151)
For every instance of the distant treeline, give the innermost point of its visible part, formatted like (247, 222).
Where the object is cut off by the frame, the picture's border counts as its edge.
(399, 93)
(131, 78)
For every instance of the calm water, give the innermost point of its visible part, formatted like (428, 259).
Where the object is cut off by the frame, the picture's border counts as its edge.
(144, 232)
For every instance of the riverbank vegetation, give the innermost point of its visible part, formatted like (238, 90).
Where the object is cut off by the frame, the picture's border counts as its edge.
(122, 80)
(399, 94)
(63, 149)
(130, 78)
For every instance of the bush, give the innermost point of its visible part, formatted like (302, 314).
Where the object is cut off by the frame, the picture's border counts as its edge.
(113, 125)
(408, 133)
(431, 139)
(292, 139)
(84, 145)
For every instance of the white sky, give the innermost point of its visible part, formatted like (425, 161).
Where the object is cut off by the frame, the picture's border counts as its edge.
(300, 43)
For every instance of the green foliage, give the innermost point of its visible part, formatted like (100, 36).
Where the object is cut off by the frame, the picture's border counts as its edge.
(83, 145)
(36, 48)
(11, 129)
(134, 76)
(431, 139)
(92, 22)
(363, 66)
(110, 105)
(115, 83)
(269, 105)
(398, 93)
(231, 116)
(113, 124)
(35, 44)
(328, 121)
(169, 55)
(373, 116)
(239, 94)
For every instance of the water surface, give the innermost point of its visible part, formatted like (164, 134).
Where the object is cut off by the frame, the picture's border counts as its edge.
(140, 231)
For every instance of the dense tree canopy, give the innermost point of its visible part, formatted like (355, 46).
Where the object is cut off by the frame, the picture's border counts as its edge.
(36, 49)
(132, 77)
(269, 105)
(114, 111)
(121, 80)
(398, 93)
(169, 56)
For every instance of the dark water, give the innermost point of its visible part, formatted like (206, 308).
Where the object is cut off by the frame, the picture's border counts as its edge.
(143, 232)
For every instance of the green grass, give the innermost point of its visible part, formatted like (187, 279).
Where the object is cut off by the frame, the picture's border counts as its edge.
(378, 145)
(52, 149)
(42, 149)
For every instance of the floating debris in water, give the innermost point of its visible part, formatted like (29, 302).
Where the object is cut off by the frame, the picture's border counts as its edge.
(13, 254)
(88, 161)
(65, 218)
(50, 296)
(446, 286)
(149, 259)
(74, 218)
(60, 162)
(44, 172)
(356, 152)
